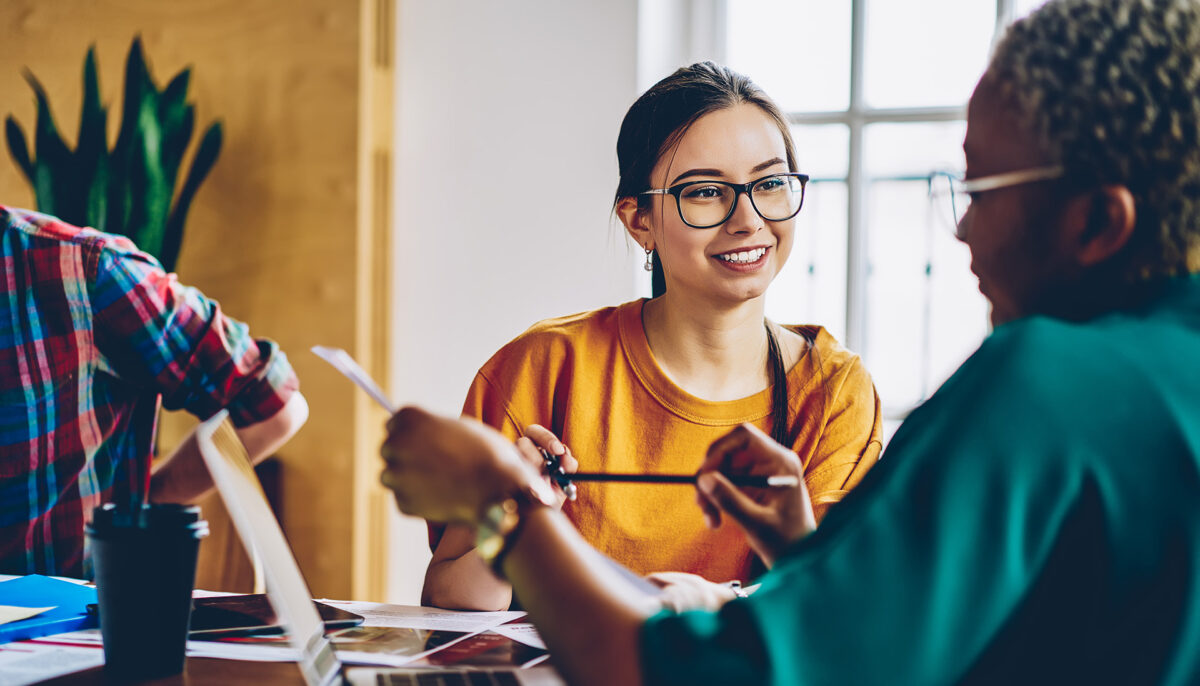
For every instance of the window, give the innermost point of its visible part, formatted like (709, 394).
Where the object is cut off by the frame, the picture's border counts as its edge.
(876, 94)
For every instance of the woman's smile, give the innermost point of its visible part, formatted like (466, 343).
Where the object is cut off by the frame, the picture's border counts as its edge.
(743, 260)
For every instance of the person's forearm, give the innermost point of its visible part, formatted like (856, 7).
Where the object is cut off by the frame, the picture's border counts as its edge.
(182, 477)
(589, 617)
(465, 583)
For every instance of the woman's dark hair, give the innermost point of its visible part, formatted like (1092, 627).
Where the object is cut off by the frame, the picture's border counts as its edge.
(653, 126)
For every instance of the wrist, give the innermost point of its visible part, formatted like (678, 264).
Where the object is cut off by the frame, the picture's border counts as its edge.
(500, 526)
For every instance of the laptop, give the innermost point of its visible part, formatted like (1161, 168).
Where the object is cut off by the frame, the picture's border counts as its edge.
(288, 593)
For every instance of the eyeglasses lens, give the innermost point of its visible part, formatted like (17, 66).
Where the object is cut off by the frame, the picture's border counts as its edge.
(949, 201)
(706, 203)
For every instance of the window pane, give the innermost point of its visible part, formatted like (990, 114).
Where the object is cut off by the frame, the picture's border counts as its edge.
(913, 149)
(822, 152)
(1024, 7)
(798, 51)
(923, 53)
(811, 289)
(925, 313)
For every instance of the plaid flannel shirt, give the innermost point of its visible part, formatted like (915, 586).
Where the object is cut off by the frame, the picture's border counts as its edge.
(94, 336)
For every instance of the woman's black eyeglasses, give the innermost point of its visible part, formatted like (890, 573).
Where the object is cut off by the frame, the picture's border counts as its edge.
(705, 204)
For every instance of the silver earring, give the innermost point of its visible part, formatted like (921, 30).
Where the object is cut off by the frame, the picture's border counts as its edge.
(649, 260)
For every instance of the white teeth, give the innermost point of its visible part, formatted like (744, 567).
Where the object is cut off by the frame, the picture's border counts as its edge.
(745, 256)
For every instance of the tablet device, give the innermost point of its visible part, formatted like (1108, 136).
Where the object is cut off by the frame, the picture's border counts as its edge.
(239, 615)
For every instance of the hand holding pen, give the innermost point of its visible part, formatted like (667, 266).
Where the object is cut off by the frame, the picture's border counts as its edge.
(773, 518)
(551, 457)
(561, 468)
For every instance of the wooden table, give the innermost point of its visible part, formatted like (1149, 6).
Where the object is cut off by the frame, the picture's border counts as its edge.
(200, 671)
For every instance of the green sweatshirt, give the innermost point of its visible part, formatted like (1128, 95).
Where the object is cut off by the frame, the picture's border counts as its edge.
(1036, 521)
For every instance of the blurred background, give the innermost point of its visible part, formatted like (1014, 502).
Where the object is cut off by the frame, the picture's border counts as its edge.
(418, 181)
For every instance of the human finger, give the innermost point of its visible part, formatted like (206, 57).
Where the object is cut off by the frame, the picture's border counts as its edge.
(546, 439)
(682, 591)
(569, 463)
(747, 449)
(530, 453)
(726, 497)
(712, 514)
(406, 417)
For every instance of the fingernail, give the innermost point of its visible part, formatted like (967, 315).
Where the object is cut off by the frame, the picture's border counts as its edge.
(559, 448)
(706, 482)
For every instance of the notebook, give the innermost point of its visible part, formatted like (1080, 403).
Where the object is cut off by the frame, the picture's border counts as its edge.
(288, 593)
(66, 605)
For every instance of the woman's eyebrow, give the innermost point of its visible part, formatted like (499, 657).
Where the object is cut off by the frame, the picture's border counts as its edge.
(768, 164)
(697, 172)
(718, 173)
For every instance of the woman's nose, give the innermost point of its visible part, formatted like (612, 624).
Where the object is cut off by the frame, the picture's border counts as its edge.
(745, 219)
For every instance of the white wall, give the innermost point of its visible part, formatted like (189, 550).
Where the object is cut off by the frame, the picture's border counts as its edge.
(507, 119)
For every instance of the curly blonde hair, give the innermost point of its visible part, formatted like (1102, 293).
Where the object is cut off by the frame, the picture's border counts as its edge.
(1111, 89)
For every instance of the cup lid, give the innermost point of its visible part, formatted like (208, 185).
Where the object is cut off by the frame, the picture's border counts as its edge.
(146, 516)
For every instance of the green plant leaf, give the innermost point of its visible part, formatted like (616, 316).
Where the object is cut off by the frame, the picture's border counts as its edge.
(137, 85)
(121, 191)
(177, 120)
(54, 176)
(202, 164)
(175, 143)
(175, 93)
(91, 152)
(17, 146)
(92, 116)
(152, 193)
(97, 199)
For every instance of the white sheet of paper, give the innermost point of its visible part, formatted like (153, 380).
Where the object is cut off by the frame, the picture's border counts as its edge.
(341, 361)
(522, 632)
(12, 613)
(252, 652)
(28, 662)
(383, 614)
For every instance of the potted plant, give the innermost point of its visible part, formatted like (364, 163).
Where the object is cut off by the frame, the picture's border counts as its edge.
(127, 189)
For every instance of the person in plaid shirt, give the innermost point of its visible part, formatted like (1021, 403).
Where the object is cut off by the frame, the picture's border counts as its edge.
(94, 338)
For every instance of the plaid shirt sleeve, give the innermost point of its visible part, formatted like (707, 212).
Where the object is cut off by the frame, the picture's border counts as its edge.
(157, 334)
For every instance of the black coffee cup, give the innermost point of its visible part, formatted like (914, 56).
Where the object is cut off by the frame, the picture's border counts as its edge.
(144, 560)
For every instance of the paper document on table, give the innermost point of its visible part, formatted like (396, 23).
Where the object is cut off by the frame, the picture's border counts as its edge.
(12, 613)
(29, 662)
(383, 614)
(275, 650)
(341, 361)
(523, 632)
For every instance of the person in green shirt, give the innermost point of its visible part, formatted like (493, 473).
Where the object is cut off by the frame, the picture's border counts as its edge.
(1038, 519)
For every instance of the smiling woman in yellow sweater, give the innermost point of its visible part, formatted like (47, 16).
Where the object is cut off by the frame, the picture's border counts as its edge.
(709, 189)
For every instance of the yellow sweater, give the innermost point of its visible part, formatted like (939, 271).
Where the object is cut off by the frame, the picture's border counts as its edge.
(591, 378)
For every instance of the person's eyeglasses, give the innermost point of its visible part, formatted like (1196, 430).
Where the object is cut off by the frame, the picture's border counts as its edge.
(705, 204)
(954, 194)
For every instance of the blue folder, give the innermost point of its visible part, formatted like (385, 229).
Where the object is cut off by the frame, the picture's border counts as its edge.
(69, 600)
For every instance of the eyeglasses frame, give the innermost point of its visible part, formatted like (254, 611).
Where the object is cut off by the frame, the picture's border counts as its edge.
(995, 182)
(738, 189)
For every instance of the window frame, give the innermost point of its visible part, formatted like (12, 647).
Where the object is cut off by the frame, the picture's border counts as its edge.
(710, 20)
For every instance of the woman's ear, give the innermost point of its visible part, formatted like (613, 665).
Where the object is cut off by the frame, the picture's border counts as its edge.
(1099, 224)
(635, 222)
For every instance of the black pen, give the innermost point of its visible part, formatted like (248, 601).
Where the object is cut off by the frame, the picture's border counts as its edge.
(748, 480)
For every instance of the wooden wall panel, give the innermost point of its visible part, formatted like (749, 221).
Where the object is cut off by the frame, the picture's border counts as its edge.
(282, 232)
